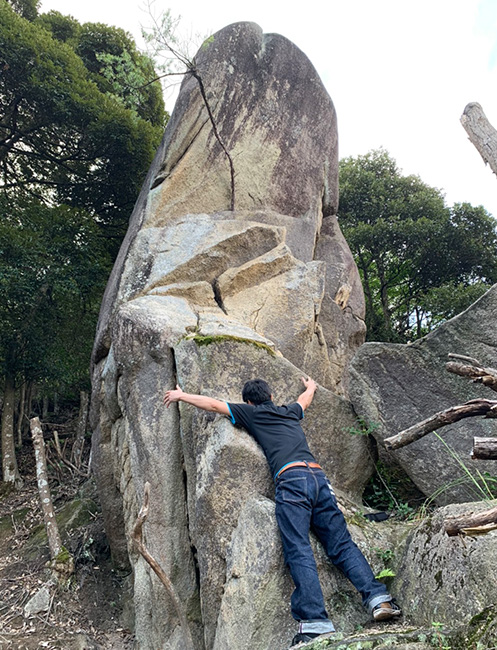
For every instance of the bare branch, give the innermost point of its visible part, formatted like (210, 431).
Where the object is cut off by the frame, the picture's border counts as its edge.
(476, 372)
(471, 524)
(161, 574)
(218, 137)
(475, 407)
(462, 357)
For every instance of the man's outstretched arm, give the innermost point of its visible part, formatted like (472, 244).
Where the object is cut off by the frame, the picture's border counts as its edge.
(200, 401)
(307, 396)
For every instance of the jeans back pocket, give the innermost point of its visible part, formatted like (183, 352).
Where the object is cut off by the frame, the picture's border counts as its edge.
(292, 489)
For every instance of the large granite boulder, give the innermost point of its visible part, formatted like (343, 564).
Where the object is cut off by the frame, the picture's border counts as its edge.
(452, 580)
(396, 386)
(208, 298)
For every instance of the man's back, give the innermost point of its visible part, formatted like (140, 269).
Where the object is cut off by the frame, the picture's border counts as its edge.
(277, 430)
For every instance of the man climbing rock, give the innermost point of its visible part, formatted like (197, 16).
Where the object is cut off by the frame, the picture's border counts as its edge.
(304, 500)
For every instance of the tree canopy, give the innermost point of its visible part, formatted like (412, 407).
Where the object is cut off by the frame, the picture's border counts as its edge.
(79, 126)
(73, 131)
(421, 261)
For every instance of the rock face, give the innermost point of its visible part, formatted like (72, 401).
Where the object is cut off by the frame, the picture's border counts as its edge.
(450, 579)
(209, 298)
(397, 386)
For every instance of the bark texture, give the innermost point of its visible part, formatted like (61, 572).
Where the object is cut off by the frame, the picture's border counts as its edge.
(484, 448)
(10, 471)
(472, 524)
(481, 133)
(54, 541)
(485, 407)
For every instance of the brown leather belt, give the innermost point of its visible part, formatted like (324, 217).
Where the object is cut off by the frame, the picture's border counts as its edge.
(298, 463)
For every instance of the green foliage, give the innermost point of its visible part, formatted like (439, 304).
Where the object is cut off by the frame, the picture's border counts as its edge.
(362, 428)
(438, 639)
(77, 135)
(391, 490)
(53, 269)
(482, 485)
(61, 137)
(386, 555)
(26, 8)
(385, 573)
(413, 252)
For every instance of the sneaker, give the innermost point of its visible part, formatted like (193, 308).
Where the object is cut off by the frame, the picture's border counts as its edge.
(304, 637)
(386, 611)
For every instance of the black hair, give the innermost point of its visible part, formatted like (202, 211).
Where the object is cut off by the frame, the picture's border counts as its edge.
(256, 391)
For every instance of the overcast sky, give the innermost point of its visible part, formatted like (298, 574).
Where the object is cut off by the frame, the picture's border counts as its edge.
(400, 72)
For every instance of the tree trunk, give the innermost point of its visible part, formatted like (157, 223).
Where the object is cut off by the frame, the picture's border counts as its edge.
(54, 541)
(20, 417)
(484, 448)
(471, 524)
(29, 400)
(481, 133)
(10, 470)
(77, 452)
(44, 409)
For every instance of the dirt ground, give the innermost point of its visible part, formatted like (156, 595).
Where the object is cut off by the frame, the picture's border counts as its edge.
(92, 611)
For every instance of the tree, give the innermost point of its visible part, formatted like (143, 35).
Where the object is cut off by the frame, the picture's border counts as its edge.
(62, 138)
(76, 140)
(420, 261)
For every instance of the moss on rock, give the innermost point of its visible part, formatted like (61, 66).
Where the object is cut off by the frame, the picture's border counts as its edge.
(221, 338)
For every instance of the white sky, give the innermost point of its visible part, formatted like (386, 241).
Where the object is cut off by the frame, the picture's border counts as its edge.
(400, 72)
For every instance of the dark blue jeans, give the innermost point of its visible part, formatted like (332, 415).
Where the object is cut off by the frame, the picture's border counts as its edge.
(304, 500)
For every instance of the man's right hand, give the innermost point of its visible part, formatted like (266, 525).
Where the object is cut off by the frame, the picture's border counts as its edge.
(172, 396)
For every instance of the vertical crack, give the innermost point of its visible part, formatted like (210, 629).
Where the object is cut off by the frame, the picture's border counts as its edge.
(193, 549)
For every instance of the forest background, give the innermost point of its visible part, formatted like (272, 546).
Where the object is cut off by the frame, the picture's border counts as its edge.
(80, 119)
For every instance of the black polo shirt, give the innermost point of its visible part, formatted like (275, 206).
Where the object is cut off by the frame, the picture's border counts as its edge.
(277, 429)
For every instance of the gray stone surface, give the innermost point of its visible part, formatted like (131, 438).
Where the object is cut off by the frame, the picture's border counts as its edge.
(208, 298)
(38, 603)
(448, 579)
(396, 386)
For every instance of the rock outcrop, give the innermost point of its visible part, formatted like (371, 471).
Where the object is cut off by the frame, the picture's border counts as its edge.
(209, 298)
(396, 386)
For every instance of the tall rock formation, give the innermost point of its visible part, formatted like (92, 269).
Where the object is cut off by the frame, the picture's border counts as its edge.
(209, 298)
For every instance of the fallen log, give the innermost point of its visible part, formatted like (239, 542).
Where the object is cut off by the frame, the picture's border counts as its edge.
(484, 448)
(485, 407)
(472, 524)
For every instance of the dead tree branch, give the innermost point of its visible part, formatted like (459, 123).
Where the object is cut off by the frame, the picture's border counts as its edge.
(141, 548)
(485, 407)
(481, 133)
(471, 524)
(475, 371)
(484, 449)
